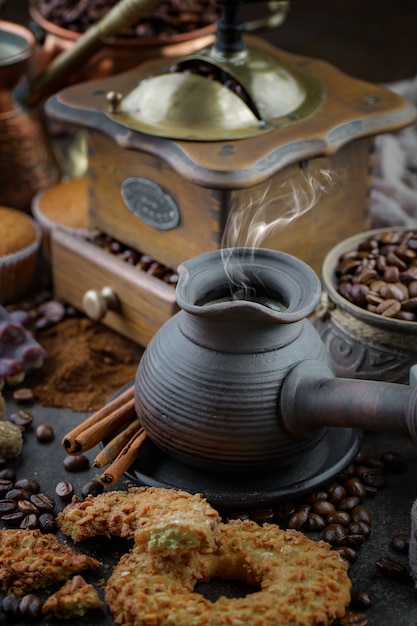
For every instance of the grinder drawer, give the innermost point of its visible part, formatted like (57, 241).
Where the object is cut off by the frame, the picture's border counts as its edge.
(122, 296)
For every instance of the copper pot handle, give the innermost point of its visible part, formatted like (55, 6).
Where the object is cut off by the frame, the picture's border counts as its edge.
(278, 11)
(122, 15)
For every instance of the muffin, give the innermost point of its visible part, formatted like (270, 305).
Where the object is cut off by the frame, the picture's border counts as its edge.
(65, 206)
(19, 246)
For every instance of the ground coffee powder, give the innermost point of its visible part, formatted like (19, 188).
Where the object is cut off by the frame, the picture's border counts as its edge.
(86, 363)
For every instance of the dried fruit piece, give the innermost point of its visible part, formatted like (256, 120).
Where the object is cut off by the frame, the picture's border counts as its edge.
(19, 352)
(11, 440)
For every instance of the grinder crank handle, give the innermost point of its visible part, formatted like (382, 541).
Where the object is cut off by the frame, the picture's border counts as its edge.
(230, 26)
(312, 398)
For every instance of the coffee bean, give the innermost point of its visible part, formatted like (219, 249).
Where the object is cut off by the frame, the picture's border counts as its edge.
(47, 523)
(347, 553)
(351, 540)
(297, 519)
(324, 507)
(26, 507)
(412, 289)
(30, 607)
(95, 487)
(28, 484)
(354, 487)
(12, 520)
(22, 418)
(361, 600)
(43, 502)
(358, 528)
(400, 543)
(7, 506)
(390, 568)
(44, 433)
(23, 395)
(10, 605)
(374, 477)
(5, 486)
(339, 517)
(29, 522)
(361, 514)
(65, 491)
(76, 463)
(334, 534)
(393, 461)
(7, 474)
(316, 496)
(315, 522)
(283, 511)
(347, 504)
(336, 493)
(391, 274)
(18, 494)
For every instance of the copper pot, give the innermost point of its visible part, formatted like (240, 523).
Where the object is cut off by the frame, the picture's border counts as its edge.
(27, 163)
(119, 55)
(122, 53)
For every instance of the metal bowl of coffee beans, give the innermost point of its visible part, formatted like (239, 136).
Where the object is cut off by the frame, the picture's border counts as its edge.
(367, 316)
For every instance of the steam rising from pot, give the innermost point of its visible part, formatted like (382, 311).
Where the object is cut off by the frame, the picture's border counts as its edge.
(264, 215)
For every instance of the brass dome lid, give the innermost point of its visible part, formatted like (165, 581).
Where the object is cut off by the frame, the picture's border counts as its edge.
(211, 97)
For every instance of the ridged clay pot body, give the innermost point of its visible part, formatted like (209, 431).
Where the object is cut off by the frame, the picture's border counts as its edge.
(208, 385)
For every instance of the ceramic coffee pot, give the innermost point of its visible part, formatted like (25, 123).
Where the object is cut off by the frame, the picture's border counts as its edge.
(239, 381)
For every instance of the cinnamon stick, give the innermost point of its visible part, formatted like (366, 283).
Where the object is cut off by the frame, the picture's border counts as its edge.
(116, 445)
(124, 460)
(99, 425)
(88, 438)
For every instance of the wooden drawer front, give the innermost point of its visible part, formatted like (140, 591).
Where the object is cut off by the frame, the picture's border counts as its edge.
(144, 302)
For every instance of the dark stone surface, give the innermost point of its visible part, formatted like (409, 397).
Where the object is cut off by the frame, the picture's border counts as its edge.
(395, 602)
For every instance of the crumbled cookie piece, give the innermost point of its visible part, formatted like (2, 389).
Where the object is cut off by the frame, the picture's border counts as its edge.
(163, 521)
(30, 560)
(74, 599)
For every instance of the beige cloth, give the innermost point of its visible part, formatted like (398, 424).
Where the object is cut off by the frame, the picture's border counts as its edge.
(394, 192)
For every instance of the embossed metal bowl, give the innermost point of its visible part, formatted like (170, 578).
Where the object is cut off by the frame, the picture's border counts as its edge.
(362, 343)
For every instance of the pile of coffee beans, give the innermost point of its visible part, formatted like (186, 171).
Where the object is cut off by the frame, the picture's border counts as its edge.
(169, 17)
(209, 71)
(133, 257)
(23, 504)
(28, 607)
(381, 275)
